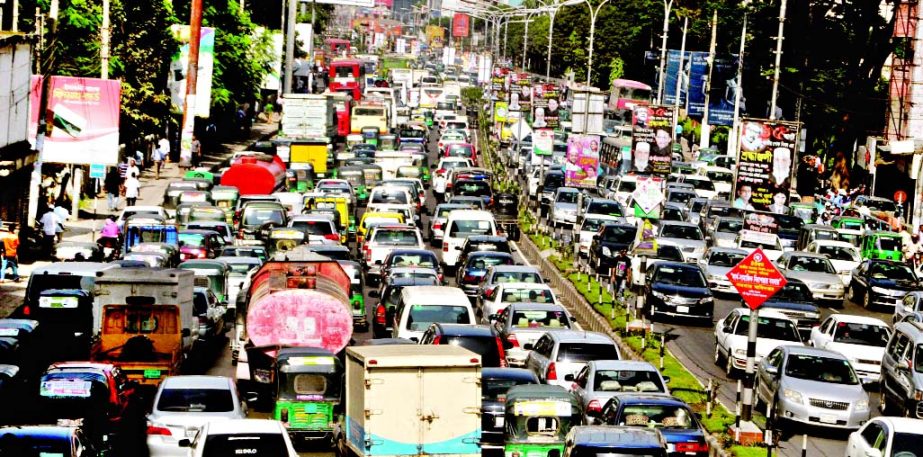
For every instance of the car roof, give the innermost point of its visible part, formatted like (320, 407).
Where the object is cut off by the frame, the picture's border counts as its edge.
(489, 254)
(659, 399)
(466, 330)
(727, 250)
(744, 311)
(900, 424)
(515, 268)
(812, 255)
(74, 268)
(842, 244)
(196, 382)
(682, 265)
(567, 336)
(245, 427)
(531, 306)
(633, 365)
(519, 374)
(620, 437)
(807, 350)
(525, 285)
(682, 223)
(856, 319)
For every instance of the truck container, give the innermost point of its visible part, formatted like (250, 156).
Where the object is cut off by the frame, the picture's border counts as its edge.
(255, 174)
(308, 116)
(404, 400)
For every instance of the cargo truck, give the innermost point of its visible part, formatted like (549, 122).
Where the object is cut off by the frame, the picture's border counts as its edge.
(310, 125)
(405, 400)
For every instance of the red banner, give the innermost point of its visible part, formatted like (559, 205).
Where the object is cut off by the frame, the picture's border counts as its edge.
(460, 25)
(756, 278)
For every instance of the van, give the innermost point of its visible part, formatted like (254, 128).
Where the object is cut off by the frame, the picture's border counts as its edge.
(901, 382)
(422, 306)
(369, 116)
(460, 225)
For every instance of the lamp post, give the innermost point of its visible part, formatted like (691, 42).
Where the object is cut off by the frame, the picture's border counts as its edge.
(553, 11)
(667, 6)
(593, 14)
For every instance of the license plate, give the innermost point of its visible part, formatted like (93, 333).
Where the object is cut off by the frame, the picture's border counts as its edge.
(499, 421)
(151, 374)
(682, 309)
(828, 418)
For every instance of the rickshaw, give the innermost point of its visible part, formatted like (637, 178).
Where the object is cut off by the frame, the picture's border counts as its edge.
(370, 135)
(881, 245)
(538, 418)
(225, 197)
(806, 211)
(200, 175)
(303, 385)
(206, 213)
(356, 178)
(428, 117)
(352, 140)
(301, 180)
(373, 175)
(283, 239)
(849, 229)
(345, 218)
(148, 230)
(184, 210)
(387, 142)
(210, 273)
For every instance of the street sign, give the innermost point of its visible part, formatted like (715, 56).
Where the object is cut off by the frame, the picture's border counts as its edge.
(900, 197)
(756, 279)
(97, 171)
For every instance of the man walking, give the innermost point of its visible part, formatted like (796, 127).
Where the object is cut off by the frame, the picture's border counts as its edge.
(113, 185)
(157, 157)
(50, 224)
(196, 147)
(164, 144)
(10, 253)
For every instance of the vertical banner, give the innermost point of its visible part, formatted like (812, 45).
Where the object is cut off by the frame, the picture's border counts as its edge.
(501, 111)
(676, 71)
(652, 139)
(582, 164)
(460, 25)
(84, 120)
(180, 64)
(520, 92)
(765, 165)
(723, 88)
(543, 142)
(546, 101)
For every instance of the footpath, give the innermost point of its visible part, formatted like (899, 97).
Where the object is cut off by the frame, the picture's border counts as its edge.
(87, 227)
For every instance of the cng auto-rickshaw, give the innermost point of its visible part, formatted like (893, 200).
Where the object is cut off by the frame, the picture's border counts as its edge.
(204, 176)
(806, 211)
(356, 178)
(345, 217)
(387, 142)
(301, 180)
(225, 197)
(881, 245)
(352, 140)
(538, 418)
(303, 385)
(370, 135)
(373, 174)
(210, 273)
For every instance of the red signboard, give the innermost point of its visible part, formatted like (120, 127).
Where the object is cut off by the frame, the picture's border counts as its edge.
(756, 278)
(900, 197)
(460, 25)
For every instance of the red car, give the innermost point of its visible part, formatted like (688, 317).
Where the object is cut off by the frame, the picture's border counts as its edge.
(465, 150)
(80, 387)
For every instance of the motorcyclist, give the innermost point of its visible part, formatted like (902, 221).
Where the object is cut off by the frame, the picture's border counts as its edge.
(109, 235)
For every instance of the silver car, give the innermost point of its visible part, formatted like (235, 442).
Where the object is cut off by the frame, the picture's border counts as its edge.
(564, 206)
(686, 235)
(722, 231)
(521, 324)
(816, 271)
(812, 386)
(557, 354)
(716, 263)
(601, 380)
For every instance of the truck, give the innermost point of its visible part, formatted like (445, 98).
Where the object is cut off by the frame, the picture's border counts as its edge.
(441, 417)
(309, 127)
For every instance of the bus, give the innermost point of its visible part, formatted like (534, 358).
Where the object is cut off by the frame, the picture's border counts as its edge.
(625, 94)
(347, 75)
(337, 46)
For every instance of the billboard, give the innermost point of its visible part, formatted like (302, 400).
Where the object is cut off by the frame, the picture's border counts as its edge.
(543, 142)
(652, 139)
(582, 164)
(765, 165)
(460, 24)
(180, 64)
(546, 101)
(84, 120)
(692, 81)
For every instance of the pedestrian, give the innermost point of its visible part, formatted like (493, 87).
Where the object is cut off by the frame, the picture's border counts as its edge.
(157, 156)
(185, 159)
(196, 148)
(164, 144)
(50, 226)
(10, 253)
(132, 185)
(620, 271)
(113, 185)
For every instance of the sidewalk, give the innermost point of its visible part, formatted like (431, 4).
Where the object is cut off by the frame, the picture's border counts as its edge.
(87, 227)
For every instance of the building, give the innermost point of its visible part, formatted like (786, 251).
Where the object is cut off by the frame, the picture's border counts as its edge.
(16, 155)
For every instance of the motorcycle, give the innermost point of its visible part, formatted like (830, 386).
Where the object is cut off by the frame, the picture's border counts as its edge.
(110, 247)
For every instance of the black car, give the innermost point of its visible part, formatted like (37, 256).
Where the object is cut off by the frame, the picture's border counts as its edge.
(475, 267)
(474, 188)
(881, 283)
(480, 339)
(483, 243)
(679, 425)
(678, 290)
(592, 440)
(607, 243)
(554, 178)
(495, 382)
(388, 299)
(796, 302)
(410, 258)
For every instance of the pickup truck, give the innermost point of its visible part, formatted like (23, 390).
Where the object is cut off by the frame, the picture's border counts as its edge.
(381, 241)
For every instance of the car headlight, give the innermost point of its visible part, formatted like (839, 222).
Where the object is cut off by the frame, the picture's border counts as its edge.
(659, 295)
(716, 277)
(706, 300)
(812, 316)
(889, 292)
(740, 352)
(607, 252)
(862, 405)
(792, 395)
(699, 250)
(838, 286)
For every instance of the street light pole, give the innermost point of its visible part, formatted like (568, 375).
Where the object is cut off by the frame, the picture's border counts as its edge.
(554, 12)
(593, 13)
(775, 75)
(667, 6)
(525, 42)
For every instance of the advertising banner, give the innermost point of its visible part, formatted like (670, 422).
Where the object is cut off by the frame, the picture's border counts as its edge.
(500, 83)
(543, 142)
(582, 164)
(460, 25)
(84, 120)
(501, 111)
(765, 165)
(520, 92)
(648, 196)
(692, 77)
(180, 63)
(546, 101)
(676, 71)
(652, 139)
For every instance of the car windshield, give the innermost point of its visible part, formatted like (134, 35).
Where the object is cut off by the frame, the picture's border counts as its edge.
(680, 196)
(241, 268)
(527, 295)
(196, 400)
(720, 210)
(481, 262)
(567, 197)
(730, 225)
(672, 214)
(685, 232)
(450, 164)
(811, 264)
(333, 187)
(906, 444)
(417, 273)
(820, 369)
(627, 381)
(413, 260)
(422, 316)
(260, 216)
(892, 271)
(192, 239)
(470, 227)
(395, 237)
(701, 184)
(443, 211)
(669, 252)
(400, 198)
(861, 334)
(411, 133)
(585, 352)
(485, 346)
(540, 319)
(839, 253)
(358, 111)
(320, 228)
(680, 276)
(793, 292)
(592, 225)
(726, 259)
(606, 208)
(769, 328)
(657, 416)
(460, 150)
(244, 444)
(918, 359)
(619, 233)
(720, 176)
(472, 188)
(517, 276)
(626, 186)
(881, 205)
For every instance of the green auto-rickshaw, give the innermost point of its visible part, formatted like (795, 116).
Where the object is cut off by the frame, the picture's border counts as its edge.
(184, 211)
(387, 142)
(882, 245)
(806, 211)
(210, 273)
(356, 178)
(356, 298)
(303, 385)
(206, 213)
(373, 174)
(352, 140)
(538, 418)
(301, 180)
(370, 135)
(428, 118)
(225, 197)
(200, 175)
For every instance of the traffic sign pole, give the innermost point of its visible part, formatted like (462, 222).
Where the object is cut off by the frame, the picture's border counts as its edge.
(747, 409)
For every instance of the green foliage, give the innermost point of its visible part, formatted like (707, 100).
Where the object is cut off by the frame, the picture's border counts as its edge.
(616, 69)
(472, 96)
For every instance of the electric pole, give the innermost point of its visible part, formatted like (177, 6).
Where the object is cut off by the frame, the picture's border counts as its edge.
(706, 129)
(192, 77)
(775, 74)
(104, 42)
(45, 69)
(290, 46)
(679, 76)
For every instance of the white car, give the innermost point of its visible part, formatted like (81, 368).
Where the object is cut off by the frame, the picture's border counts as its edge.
(749, 240)
(440, 176)
(703, 186)
(886, 437)
(516, 292)
(861, 339)
(666, 252)
(686, 235)
(242, 437)
(623, 189)
(183, 405)
(774, 329)
(721, 178)
(843, 255)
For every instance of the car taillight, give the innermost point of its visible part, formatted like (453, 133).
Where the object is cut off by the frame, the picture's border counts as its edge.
(594, 407)
(552, 372)
(501, 352)
(437, 226)
(161, 431)
(240, 233)
(445, 246)
(514, 342)
(440, 171)
(26, 311)
(368, 253)
(437, 339)
(491, 202)
(694, 446)
(381, 313)
(470, 278)
(332, 237)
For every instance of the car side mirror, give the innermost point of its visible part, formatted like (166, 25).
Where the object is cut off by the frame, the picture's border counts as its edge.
(666, 379)
(374, 294)
(458, 248)
(185, 332)
(527, 346)
(873, 452)
(569, 377)
(772, 370)
(185, 442)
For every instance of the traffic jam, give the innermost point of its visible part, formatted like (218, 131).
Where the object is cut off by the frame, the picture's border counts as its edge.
(358, 285)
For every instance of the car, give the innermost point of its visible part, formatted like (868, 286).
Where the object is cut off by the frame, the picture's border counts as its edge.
(666, 252)
(461, 225)
(516, 292)
(46, 440)
(442, 169)
(750, 240)
(315, 227)
(902, 372)
(558, 354)
(384, 239)
(704, 188)
(474, 267)
(184, 404)
(498, 274)
(495, 382)
(795, 301)
(588, 228)
(68, 387)
(716, 263)
(843, 255)
(886, 437)
(255, 216)
(595, 440)
(483, 243)
(439, 218)
(331, 251)
(389, 298)
(242, 437)
(218, 226)
(242, 269)
(881, 283)
(411, 259)
(330, 187)
(721, 178)
(612, 238)
(677, 422)
(600, 207)
(564, 206)
(673, 211)
(623, 188)
(677, 290)
(811, 386)
(601, 380)
(210, 312)
(520, 324)
(816, 271)
(421, 306)
(471, 201)
(552, 180)
(911, 304)
(686, 235)
(722, 231)
(680, 195)
(731, 334)
(480, 339)
(861, 339)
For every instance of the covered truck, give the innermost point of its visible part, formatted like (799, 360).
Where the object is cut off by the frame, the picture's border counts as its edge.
(255, 174)
(441, 417)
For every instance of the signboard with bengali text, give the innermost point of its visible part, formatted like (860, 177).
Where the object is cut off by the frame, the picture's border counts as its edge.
(756, 279)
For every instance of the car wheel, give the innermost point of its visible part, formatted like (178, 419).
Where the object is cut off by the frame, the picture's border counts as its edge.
(866, 300)
(729, 369)
(717, 354)
(883, 399)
